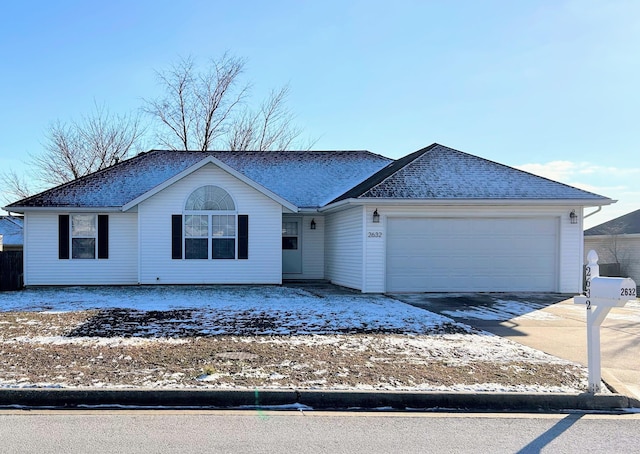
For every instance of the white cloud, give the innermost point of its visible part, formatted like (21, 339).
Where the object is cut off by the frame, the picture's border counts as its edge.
(554, 170)
(563, 170)
(618, 183)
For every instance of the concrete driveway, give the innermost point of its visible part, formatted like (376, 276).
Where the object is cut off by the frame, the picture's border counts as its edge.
(551, 323)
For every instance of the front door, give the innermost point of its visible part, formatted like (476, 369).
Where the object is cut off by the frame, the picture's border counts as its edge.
(291, 246)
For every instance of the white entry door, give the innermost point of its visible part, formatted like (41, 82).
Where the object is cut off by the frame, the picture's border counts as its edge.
(291, 246)
(470, 255)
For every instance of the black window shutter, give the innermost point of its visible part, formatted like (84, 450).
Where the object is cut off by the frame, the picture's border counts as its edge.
(176, 236)
(243, 236)
(103, 236)
(63, 236)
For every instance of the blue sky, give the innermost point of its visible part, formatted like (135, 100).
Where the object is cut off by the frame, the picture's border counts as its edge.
(550, 86)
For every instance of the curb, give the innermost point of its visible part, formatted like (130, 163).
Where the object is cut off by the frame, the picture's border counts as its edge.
(616, 386)
(311, 400)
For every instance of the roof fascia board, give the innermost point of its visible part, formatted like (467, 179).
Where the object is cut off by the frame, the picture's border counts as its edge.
(64, 209)
(308, 210)
(468, 202)
(608, 236)
(223, 166)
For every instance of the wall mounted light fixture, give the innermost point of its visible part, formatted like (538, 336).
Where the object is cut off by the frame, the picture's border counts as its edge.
(313, 224)
(573, 217)
(376, 216)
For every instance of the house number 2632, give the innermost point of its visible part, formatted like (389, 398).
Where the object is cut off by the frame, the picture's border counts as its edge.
(374, 234)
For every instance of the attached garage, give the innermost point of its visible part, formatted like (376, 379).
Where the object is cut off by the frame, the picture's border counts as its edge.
(472, 254)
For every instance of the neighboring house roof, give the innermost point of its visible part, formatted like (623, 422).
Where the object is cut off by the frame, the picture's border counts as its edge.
(439, 172)
(313, 179)
(11, 230)
(628, 224)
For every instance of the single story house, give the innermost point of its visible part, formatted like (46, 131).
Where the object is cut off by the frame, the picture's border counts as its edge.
(436, 220)
(11, 238)
(617, 243)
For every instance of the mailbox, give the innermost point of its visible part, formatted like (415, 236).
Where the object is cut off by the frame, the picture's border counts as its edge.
(603, 293)
(609, 291)
(616, 288)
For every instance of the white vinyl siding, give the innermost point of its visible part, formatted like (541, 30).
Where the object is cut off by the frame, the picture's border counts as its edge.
(570, 251)
(43, 267)
(374, 262)
(568, 239)
(344, 247)
(312, 249)
(264, 265)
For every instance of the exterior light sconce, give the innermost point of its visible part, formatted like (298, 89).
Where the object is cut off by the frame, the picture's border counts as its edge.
(313, 224)
(376, 216)
(573, 217)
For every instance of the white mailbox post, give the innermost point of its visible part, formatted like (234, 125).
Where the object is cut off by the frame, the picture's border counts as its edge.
(602, 293)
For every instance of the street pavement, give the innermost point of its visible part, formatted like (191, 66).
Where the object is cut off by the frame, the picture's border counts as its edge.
(551, 323)
(256, 432)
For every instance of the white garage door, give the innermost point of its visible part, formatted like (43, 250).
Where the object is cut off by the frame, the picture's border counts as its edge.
(466, 255)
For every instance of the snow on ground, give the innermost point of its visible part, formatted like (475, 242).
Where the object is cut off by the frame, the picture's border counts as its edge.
(218, 310)
(297, 316)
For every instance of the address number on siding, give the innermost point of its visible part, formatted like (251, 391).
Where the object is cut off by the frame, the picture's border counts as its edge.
(374, 234)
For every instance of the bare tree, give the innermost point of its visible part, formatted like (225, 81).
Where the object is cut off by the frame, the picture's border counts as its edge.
(98, 140)
(75, 149)
(269, 128)
(15, 187)
(204, 110)
(617, 252)
(196, 107)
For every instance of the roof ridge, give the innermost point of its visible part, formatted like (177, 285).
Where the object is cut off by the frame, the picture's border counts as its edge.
(262, 151)
(386, 172)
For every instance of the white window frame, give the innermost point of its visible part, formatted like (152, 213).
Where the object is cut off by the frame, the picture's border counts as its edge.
(225, 201)
(94, 237)
(210, 234)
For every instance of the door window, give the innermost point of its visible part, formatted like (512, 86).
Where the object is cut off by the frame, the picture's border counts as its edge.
(290, 235)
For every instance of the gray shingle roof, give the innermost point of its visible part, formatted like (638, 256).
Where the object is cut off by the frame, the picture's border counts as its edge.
(311, 179)
(11, 230)
(628, 224)
(439, 172)
(304, 178)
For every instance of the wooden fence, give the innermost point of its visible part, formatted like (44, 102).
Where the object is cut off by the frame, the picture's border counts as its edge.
(11, 277)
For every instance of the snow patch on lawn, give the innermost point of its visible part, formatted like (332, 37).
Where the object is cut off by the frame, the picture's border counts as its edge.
(92, 341)
(228, 310)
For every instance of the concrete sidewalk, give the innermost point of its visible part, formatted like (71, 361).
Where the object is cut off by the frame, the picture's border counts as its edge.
(558, 328)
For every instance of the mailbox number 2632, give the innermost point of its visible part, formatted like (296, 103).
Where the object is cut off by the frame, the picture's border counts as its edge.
(627, 292)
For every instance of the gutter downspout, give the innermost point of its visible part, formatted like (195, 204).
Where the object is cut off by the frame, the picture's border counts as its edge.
(585, 216)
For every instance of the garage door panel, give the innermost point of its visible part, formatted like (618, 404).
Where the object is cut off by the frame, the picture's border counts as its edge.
(481, 254)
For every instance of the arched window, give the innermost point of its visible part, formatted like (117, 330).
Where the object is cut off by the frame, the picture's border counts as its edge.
(210, 224)
(210, 198)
